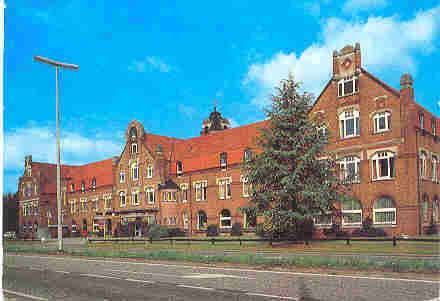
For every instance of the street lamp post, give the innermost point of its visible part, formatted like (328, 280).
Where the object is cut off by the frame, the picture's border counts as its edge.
(67, 66)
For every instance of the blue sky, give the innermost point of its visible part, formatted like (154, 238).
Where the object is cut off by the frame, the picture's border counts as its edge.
(164, 62)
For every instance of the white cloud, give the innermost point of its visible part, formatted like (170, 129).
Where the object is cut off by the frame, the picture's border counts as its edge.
(385, 42)
(354, 6)
(40, 142)
(155, 62)
(233, 123)
(189, 111)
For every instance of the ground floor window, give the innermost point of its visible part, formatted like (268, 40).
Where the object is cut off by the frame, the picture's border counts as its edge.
(384, 211)
(323, 219)
(202, 220)
(351, 213)
(225, 219)
(185, 220)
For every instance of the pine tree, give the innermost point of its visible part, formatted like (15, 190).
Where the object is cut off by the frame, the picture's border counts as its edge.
(293, 178)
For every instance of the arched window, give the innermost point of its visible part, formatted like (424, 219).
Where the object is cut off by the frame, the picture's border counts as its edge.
(434, 169)
(349, 124)
(351, 212)
(225, 219)
(422, 162)
(382, 122)
(349, 167)
(122, 198)
(384, 211)
(425, 208)
(383, 166)
(435, 210)
(133, 133)
(202, 220)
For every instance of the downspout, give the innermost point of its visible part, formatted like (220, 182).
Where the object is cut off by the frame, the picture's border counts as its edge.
(418, 184)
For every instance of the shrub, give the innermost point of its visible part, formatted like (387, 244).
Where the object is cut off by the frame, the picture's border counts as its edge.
(212, 230)
(157, 231)
(176, 232)
(368, 230)
(236, 229)
(305, 229)
(432, 229)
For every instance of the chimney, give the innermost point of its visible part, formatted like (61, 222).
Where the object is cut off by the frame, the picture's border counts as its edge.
(161, 164)
(406, 89)
(347, 61)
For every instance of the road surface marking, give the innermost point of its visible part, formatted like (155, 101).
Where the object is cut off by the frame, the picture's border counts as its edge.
(137, 280)
(203, 276)
(132, 272)
(197, 287)
(99, 276)
(272, 296)
(64, 272)
(24, 295)
(234, 269)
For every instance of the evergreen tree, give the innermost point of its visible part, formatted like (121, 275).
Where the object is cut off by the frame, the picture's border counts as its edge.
(293, 178)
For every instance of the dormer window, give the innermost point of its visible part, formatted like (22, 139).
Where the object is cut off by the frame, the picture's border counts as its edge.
(347, 86)
(134, 148)
(422, 120)
(223, 160)
(83, 186)
(179, 167)
(72, 187)
(94, 183)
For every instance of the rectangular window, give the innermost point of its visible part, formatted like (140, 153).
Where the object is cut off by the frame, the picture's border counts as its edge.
(150, 195)
(221, 189)
(204, 190)
(135, 197)
(198, 191)
(135, 172)
(184, 189)
(434, 126)
(422, 120)
(323, 220)
(149, 171)
(121, 177)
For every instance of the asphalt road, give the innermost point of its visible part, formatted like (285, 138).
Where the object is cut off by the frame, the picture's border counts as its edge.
(68, 278)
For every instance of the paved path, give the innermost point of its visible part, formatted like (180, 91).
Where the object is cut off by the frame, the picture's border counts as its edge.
(69, 278)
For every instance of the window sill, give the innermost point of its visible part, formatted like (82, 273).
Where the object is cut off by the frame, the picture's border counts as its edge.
(346, 95)
(378, 225)
(381, 180)
(348, 138)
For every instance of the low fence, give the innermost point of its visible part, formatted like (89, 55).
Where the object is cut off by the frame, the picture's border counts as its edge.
(213, 241)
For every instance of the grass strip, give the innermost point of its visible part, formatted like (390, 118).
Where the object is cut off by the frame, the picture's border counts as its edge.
(342, 262)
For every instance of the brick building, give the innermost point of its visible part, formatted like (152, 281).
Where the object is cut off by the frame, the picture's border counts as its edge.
(386, 143)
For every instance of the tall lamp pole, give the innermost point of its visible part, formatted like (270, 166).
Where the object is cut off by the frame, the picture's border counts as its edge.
(67, 66)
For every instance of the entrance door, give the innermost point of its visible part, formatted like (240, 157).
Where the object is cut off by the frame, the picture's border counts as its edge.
(137, 230)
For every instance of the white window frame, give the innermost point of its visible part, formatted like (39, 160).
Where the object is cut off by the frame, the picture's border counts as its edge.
(227, 218)
(245, 188)
(344, 117)
(422, 120)
(135, 197)
(135, 171)
(434, 166)
(352, 211)
(75, 228)
(345, 176)
(434, 126)
(150, 171)
(121, 177)
(435, 210)
(341, 85)
(224, 188)
(122, 199)
(149, 194)
(204, 190)
(184, 194)
(179, 167)
(376, 164)
(134, 148)
(199, 227)
(423, 171)
(322, 225)
(387, 121)
(387, 210)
